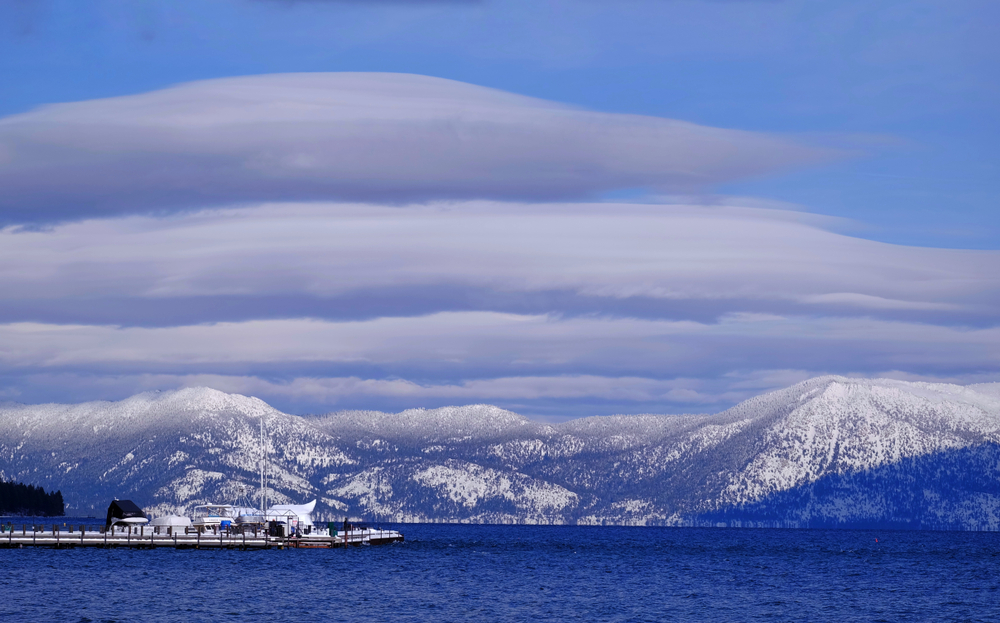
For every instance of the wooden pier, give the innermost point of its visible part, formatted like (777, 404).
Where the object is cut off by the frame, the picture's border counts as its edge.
(145, 537)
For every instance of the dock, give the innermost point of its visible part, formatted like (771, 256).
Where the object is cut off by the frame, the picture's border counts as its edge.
(147, 538)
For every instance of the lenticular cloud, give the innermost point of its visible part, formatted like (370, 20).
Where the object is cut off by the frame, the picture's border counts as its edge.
(349, 136)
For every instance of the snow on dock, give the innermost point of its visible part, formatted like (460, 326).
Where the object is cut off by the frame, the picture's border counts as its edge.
(146, 538)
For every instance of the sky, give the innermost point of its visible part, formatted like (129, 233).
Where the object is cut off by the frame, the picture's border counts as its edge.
(561, 207)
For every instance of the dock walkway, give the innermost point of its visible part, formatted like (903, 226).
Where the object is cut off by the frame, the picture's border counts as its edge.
(147, 538)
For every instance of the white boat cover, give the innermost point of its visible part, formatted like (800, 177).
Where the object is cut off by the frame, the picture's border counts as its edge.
(302, 511)
(171, 520)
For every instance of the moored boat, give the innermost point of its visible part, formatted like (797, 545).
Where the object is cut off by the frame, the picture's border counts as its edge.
(125, 513)
(208, 516)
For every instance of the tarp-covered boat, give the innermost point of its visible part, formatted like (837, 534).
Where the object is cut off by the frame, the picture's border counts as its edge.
(124, 513)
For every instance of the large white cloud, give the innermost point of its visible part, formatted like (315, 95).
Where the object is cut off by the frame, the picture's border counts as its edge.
(784, 293)
(355, 136)
(736, 259)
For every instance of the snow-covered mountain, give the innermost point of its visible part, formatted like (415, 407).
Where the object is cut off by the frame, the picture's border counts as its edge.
(829, 451)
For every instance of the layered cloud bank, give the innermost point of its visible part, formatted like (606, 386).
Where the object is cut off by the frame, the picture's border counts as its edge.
(147, 250)
(637, 306)
(353, 136)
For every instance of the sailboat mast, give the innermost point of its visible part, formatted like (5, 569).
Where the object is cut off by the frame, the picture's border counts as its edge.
(262, 461)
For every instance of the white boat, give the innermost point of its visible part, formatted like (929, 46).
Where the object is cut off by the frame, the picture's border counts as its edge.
(363, 535)
(250, 517)
(213, 515)
(351, 534)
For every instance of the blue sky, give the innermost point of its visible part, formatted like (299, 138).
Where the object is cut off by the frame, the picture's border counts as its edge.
(570, 208)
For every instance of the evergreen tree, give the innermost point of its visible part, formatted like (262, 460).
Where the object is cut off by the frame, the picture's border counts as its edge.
(17, 498)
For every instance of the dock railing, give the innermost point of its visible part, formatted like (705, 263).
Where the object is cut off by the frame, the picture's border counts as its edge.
(143, 537)
(149, 537)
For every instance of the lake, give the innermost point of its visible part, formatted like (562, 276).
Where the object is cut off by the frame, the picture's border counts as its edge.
(525, 573)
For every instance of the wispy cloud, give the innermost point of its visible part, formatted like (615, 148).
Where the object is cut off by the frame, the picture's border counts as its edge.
(367, 137)
(474, 345)
(342, 262)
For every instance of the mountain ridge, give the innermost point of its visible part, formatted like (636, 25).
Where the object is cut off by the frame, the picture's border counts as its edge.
(480, 463)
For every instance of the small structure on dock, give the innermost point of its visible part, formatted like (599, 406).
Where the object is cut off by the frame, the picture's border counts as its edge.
(125, 513)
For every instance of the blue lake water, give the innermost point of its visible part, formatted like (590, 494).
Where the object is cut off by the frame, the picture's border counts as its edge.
(526, 573)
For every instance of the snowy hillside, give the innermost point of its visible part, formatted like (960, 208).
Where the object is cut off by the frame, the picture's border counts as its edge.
(829, 451)
(171, 448)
